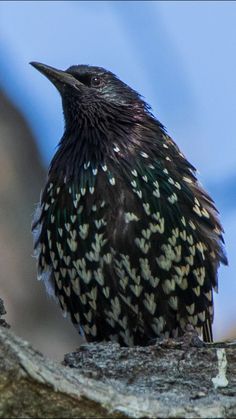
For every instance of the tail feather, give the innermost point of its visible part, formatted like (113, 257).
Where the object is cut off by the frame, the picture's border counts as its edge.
(207, 331)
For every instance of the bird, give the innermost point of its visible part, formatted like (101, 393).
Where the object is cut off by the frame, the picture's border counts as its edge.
(127, 240)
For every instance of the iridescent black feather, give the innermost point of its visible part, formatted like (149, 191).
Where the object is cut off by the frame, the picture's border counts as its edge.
(125, 236)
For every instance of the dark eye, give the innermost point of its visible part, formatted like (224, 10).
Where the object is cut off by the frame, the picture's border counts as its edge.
(96, 81)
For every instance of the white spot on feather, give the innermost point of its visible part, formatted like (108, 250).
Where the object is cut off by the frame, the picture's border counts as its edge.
(95, 170)
(144, 154)
(130, 216)
(112, 181)
(37, 230)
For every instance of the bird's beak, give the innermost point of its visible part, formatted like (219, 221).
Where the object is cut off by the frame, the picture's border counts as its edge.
(58, 77)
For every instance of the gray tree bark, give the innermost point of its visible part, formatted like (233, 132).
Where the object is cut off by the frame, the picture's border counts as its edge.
(182, 378)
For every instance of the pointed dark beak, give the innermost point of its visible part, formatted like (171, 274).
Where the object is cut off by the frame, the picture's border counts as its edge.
(58, 77)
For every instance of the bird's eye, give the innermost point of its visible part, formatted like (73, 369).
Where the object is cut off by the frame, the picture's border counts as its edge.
(96, 81)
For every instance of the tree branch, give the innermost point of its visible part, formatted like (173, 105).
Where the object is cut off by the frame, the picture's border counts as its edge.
(168, 379)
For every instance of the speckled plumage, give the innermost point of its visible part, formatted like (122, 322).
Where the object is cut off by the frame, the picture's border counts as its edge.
(125, 236)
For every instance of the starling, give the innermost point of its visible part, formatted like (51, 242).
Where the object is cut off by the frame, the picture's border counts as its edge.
(126, 238)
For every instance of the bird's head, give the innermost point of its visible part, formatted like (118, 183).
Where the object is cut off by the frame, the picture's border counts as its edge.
(90, 92)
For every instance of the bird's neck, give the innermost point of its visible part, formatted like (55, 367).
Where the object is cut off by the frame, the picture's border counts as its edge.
(87, 144)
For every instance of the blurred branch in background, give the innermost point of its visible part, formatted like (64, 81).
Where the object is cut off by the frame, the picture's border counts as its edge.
(31, 314)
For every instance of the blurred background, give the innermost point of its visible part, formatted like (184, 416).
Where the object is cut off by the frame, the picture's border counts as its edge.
(179, 55)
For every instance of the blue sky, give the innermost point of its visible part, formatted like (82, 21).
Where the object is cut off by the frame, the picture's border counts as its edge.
(179, 55)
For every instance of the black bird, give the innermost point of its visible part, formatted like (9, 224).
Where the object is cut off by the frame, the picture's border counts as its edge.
(125, 236)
